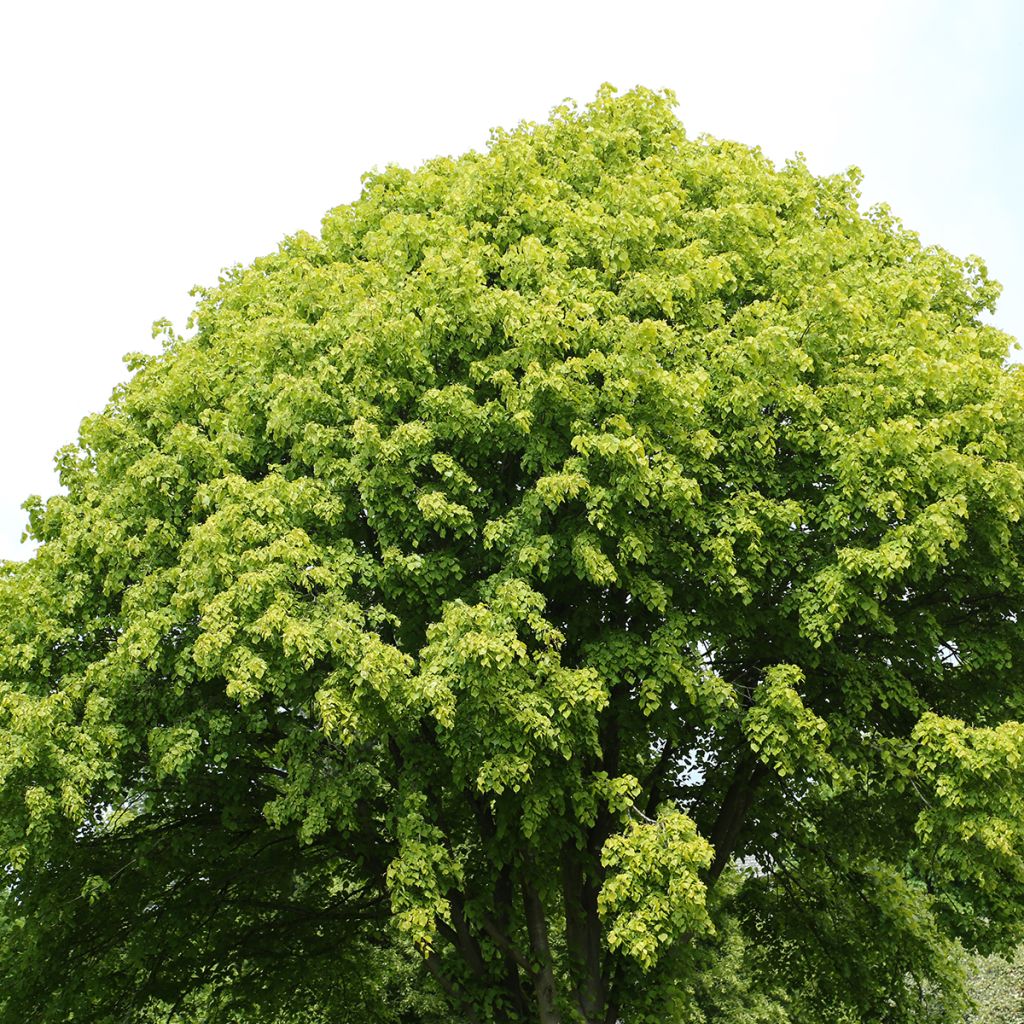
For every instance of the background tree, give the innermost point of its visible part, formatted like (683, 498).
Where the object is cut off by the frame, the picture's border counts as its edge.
(567, 523)
(997, 986)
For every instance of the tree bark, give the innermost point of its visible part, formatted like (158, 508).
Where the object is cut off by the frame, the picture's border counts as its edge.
(544, 975)
(583, 937)
(433, 962)
(465, 940)
(728, 826)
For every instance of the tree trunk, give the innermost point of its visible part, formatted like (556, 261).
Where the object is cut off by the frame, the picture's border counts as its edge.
(544, 976)
(583, 937)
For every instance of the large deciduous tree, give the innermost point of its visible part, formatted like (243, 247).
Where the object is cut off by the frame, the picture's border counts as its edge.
(488, 582)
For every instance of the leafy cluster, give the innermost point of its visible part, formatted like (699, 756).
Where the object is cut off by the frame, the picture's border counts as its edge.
(652, 892)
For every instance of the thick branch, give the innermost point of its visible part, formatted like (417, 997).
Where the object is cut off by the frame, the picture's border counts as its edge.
(505, 944)
(465, 941)
(583, 936)
(654, 778)
(544, 976)
(505, 897)
(728, 826)
(433, 962)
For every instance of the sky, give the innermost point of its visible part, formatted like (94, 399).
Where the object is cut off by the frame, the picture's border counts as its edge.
(143, 147)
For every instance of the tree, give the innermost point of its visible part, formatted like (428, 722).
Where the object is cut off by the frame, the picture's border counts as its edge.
(490, 581)
(997, 985)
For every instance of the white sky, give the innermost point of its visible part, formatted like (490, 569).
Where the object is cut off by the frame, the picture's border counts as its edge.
(143, 147)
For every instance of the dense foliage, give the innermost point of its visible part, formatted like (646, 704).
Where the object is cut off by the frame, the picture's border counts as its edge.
(997, 989)
(491, 582)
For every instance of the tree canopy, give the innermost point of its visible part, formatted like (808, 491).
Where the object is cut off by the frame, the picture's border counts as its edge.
(589, 564)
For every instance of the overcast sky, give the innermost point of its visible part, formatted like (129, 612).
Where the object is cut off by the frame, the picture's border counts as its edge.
(143, 147)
